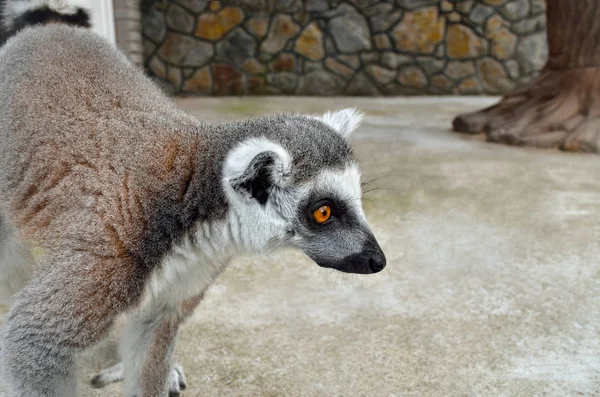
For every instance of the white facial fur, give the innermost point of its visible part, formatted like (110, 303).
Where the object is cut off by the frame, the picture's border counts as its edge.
(258, 226)
(346, 184)
(240, 157)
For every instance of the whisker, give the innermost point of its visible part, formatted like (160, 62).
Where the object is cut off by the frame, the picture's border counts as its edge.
(361, 198)
(381, 188)
(366, 183)
(329, 275)
(285, 240)
(335, 276)
(273, 250)
(354, 199)
(384, 176)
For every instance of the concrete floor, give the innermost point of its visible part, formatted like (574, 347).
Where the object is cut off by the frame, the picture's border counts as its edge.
(492, 286)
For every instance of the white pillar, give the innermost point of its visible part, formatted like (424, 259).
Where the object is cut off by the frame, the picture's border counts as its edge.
(103, 18)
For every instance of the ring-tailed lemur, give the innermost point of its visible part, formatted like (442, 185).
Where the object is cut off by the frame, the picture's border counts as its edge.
(112, 200)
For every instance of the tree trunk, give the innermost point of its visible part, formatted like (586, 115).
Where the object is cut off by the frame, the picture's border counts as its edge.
(561, 108)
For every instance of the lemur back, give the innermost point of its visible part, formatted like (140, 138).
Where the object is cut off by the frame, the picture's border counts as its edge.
(75, 108)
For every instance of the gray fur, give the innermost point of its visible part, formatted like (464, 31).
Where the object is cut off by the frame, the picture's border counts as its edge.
(120, 202)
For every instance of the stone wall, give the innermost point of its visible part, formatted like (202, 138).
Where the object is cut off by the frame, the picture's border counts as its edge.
(351, 47)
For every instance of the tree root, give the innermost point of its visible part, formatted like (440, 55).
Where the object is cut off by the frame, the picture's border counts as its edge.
(559, 109)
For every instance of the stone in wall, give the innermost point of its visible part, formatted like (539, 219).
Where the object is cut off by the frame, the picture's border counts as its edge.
(289, 6)
(285, 82)
(252, 66)
(468, 86)
(179, 19)
(351, 60)
(214, 25)
(200, 82)
(383, 16)
(393, 60)
(310, 43)
(531, 25)
(258, 26)
(283, 28)
(420, 31)
(227, 80)
(480, 13)
(350, 31)
(320, 82)
(457, 70)
(415, 4)
(338, 67)
(496, 3)
(236, 48)
(315, 6)
(380, 75)
(515, 10)
(462, 42)
(195, 6)
(538, 7)
(431, 65)
(154, 26)
(412, 76)
(440, 84)
(532, 53)
(181, 50)
(343, 47)
(382, 41)
(465, 6)
(361, 85)
(493, 76)
(504, 44)
(284, 63)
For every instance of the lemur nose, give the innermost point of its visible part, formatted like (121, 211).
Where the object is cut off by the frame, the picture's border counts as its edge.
(377, 263)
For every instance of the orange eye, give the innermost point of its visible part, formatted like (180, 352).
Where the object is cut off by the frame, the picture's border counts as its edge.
(322, 214)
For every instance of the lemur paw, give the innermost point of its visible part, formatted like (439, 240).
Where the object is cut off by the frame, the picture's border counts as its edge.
(177, 382)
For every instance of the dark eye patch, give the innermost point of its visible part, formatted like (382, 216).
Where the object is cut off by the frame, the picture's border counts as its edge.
(339, 212)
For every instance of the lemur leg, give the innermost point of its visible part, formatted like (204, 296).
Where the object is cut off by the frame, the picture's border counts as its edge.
(54, 317)
(147, 348)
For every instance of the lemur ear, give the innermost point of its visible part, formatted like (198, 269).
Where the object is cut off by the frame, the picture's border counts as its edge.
(344, 121)
(256, 168)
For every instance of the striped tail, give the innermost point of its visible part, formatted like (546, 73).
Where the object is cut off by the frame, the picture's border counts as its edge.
(18, 14)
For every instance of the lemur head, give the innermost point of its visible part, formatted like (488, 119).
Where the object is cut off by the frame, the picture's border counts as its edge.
(299, 184)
